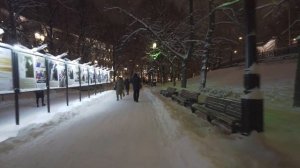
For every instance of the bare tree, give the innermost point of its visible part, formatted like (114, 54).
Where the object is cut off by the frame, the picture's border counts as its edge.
(15, 8)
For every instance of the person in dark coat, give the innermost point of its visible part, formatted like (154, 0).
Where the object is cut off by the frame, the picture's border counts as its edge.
(127, 82)
(39, 94)
(136, 83)
(119, 86)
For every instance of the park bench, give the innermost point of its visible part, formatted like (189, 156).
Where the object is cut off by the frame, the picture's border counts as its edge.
(185, 97)
(222, 112)
(168, 92)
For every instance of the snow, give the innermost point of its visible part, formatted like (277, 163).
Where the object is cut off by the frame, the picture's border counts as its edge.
(155, 132)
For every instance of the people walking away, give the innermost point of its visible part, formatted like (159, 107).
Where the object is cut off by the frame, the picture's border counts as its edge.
(119, 88)
(39, 94)
(127, 82)
(136, 83)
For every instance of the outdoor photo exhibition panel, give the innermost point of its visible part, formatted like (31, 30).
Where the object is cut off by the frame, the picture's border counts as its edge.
(23, 70)
(84, 75)
(91, 75)
(57, 73)
(32, 71)
(6, 71)
(73, 74)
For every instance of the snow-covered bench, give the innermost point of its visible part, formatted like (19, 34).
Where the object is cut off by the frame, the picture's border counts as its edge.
(168, 92)
(224, 113)
(185, 97)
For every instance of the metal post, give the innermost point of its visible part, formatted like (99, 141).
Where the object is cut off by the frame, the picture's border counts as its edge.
(297, 78)
(16, 85)
(88, 70)
(95, 88)
(67, 84)
(48, 85)
(79, 83)
(252, 101)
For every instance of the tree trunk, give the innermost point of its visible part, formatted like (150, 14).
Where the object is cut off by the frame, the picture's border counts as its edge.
(12, 38)
(190, 52)
(211, 28)
(183, 73)
(173, 77)
(114, 63)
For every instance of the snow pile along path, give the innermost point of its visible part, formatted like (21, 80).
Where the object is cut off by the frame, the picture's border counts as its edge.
(105, 133)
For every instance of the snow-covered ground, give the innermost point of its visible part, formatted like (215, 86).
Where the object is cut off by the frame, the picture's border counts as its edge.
(155, 132)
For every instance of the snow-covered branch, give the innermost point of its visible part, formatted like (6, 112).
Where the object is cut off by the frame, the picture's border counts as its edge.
(154, 33)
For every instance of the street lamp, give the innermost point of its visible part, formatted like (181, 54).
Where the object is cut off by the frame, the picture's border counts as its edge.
(154, 45)
(38, 36)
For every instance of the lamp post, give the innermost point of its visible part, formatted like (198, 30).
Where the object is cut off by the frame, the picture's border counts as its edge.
(252, 101)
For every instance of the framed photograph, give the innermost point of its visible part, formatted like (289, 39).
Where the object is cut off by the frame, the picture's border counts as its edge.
(27, 70)
(40, 72)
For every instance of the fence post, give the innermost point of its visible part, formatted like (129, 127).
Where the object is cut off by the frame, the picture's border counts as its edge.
(47, 84)
(79, 83)
(296, 102)
(16, 84)
(88, 78)
(67, 83)
(94, 78)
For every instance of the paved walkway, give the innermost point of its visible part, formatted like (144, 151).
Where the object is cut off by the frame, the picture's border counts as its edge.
(105, 133)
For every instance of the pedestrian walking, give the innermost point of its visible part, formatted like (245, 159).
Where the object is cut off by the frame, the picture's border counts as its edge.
(119, 86)
(136, 83)
(127, 87)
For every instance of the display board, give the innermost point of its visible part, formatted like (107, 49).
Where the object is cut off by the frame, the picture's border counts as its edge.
(40, 72)
(27, 71)
(97, 75)
(32, 68)
(104, 76)
(84, 75)
(73, 75)
(6, 71)
(91, 75)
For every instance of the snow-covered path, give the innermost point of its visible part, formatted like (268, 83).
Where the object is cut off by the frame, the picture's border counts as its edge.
(105, 133)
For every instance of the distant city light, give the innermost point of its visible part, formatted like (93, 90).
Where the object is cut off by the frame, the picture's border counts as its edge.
(125, 69)
(235, 51)
(240, 38)
(294, 39)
